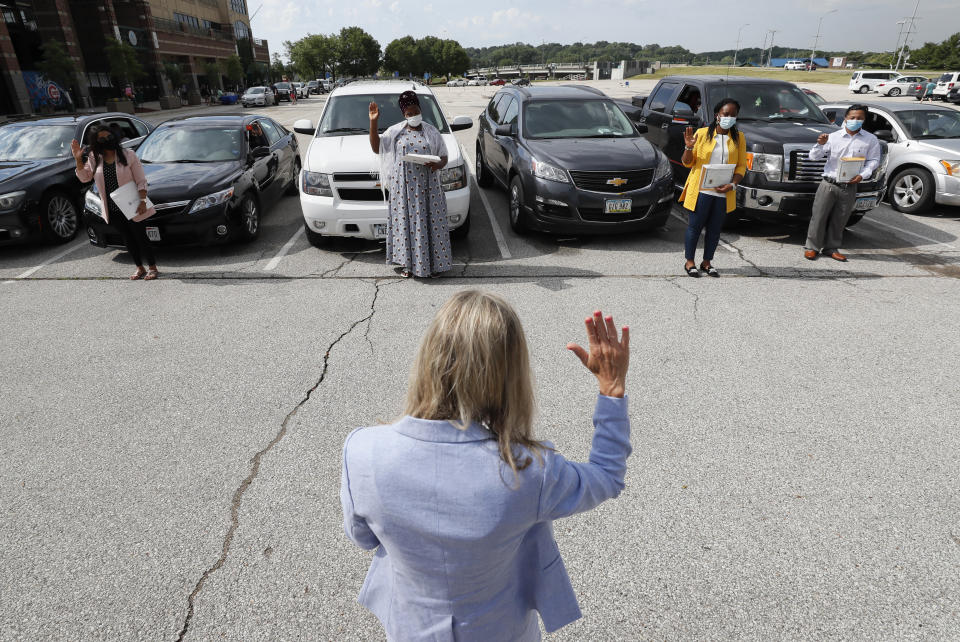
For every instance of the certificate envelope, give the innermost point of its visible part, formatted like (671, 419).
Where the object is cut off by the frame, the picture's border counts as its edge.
(713, 176)
(422, 159)
(127, 198)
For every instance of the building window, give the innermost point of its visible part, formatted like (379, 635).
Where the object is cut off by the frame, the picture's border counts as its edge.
(239, 6)
(241, 30)
(188, 21)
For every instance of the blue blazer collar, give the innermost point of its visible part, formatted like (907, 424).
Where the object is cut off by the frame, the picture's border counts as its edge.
(441, 430)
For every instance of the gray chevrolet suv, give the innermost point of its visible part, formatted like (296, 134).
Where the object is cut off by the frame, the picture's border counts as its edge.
(572, 162)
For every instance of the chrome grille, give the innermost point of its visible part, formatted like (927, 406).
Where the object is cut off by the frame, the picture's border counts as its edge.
(597, 181)
(803, 169)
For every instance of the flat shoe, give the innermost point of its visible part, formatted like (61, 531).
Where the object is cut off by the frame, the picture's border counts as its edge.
(692, 271)
(711, 271)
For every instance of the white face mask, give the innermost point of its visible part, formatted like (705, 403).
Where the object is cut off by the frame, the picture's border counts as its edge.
(414, 121)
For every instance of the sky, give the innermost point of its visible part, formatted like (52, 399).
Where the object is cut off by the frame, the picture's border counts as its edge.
(695, 24)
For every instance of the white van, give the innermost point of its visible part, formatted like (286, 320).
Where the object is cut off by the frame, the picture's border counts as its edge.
(945, 83)
(863, 82)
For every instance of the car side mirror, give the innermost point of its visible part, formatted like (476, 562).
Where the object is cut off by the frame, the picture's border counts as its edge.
(304, 126)
(461, 122)
(505, 130)
(259, 152)
(886, 135)
(683, 113)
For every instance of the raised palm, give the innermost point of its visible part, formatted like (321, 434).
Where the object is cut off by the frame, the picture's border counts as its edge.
(374, 111)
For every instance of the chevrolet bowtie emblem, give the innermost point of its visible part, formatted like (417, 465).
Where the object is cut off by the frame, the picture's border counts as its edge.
(617, 182)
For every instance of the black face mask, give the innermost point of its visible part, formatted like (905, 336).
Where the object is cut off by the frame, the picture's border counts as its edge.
(103, 144)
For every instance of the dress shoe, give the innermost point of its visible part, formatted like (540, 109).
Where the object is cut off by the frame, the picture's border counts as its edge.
(836, 256)
(810, 255)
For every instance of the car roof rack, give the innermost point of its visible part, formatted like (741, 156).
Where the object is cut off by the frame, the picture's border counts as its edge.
(592, 90)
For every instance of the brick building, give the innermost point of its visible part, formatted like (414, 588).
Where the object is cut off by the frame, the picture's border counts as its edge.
(190, 33)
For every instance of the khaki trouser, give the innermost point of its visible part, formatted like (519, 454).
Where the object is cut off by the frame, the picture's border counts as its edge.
(832, 207)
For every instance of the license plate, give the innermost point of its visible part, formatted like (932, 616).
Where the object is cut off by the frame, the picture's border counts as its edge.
(618, 206)
(866, 203)
(153, 233)
(380, 231)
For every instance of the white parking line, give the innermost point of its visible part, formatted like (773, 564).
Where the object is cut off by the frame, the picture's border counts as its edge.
(497, 232)
(723, 244)
(914, 234)
(55, 257)
(275, 261)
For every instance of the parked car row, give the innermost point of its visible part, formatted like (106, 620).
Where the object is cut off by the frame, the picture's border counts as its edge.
(892, 83)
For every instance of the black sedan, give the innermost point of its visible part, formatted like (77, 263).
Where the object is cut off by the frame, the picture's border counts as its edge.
(40, 196)
(572, 162)
(210, 179)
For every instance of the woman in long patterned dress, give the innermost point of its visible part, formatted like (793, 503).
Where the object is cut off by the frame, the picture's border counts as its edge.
(418, 239)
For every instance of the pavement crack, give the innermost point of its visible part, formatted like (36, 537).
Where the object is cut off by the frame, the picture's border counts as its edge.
(696, 299)
(244, 486)
(744, 258)
(334, 271)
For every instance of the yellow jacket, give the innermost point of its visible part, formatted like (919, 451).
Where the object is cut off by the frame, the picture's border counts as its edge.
(702, 149)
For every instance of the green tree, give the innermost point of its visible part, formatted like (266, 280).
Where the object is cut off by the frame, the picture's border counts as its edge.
(402, 55)
(454, 58)
(312, 55)
(175, 75)
(233, 70)
(276, 68)
(358, 53)
(212, 71)
(125, 67)
(56, 64)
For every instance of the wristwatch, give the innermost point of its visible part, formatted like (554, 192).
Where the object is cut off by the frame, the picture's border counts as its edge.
(689, 149)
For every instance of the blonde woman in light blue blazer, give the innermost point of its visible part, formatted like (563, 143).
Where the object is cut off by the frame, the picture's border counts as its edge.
(458, 498)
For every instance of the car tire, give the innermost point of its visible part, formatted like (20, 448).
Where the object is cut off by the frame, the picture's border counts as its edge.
(894, 92)
(60, 217)
(461, 232)
(293, 188)
(518, 218)
(912, 190)
(484, 177)
(248, 218)
(864, 90)
(855, 218)
(315, 238)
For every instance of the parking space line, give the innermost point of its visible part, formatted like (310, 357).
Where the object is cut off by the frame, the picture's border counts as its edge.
(914, 234)
(723, 244)
(52, 259)
(275, 261)
(497, 232)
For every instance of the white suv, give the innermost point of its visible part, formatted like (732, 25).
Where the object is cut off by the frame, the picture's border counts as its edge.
(863, 82)
(945, 83)
(340, 190)
(795, 65)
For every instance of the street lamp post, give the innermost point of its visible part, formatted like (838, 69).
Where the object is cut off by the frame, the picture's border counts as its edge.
(737, 51)
(816, 41)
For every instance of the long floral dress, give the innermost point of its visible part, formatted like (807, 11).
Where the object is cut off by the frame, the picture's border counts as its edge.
(417, 234)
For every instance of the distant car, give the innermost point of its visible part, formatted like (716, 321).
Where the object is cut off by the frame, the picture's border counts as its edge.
(498, 82)
(954, 96)
(313, 87)
(918, 89)
(863, 82)
(473, 82)
(814, 96)
(945, 83)
(283, 91)
(257, 96)
(301, 89)
(457, 82)
(898, 86)
(40, 196)
(211, 179)
(520, 82)
(795, 65)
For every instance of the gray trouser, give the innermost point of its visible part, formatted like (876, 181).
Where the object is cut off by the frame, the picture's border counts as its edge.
(831, 210)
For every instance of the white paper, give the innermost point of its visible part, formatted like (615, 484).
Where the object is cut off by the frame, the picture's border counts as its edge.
(127, 198)
(848, 168)
(421, 159)
(713, 176)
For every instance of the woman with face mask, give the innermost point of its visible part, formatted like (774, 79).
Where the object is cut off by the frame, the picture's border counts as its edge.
(418, 239)
(111, 166)
(720, 143)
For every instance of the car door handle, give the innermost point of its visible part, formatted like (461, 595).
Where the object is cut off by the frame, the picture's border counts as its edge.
(664, 126)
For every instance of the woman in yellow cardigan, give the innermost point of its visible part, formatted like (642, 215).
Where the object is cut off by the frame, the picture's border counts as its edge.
(719, 143)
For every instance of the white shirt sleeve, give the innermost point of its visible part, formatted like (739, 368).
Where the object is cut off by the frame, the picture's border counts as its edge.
(874, 152)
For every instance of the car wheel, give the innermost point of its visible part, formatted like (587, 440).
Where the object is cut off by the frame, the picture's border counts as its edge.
(462, 231)
(61, 220)
(249, 219)
(292, 189)
(484, 178)
(517, 215)
(316, 239)
(854, 219)
(894, 92)
(865, 89)
(912, 190)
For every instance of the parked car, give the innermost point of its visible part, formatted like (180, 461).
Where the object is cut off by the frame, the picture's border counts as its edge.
(301, 89)
(313, 87)
(340, 189)
(945, 83)
(257, 96)
(40, 196)
(498, 82)
(863, 82)
(918, 88)
(473, 82)
(814, 96)
(283, 91)
(781, 124)
(954, 96)
(923, 143)
(211, 178)
(795, 65)
(898, 86)
(520, 82)
(572, 162)
(457, 82)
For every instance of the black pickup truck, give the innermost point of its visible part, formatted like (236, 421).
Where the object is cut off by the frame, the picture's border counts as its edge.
(780, 124)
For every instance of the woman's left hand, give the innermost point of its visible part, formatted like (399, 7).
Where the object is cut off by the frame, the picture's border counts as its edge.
(723, 189)
(436, 166)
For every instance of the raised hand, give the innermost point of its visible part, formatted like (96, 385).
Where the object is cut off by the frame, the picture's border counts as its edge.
(374, 111)
(689, 136)
(822, 139)
(76, 150)
(609, 357)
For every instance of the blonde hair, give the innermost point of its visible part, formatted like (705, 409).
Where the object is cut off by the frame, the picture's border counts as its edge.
(473, 366)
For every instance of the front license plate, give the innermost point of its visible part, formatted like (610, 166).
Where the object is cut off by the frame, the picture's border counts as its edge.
(867, 203)
(380, 231)
(153, 233)
(618, 206)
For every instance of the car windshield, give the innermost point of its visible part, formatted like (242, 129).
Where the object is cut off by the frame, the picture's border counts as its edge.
(33, 142)
(927, 124)
(283, 85)
(575, 119)
(349, 114)
(255, 90)
(946, 77)
(769, 102)
(192, 144)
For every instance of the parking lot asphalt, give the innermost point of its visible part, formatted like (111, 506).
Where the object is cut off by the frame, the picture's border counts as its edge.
(170, 451)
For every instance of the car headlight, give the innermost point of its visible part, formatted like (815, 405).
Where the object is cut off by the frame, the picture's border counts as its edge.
(549, 172)
(770, 165)
(663, 168)
(452, 178)
(952, 167)
(92, 203)
(212, 200)
(12, 200)
(317, 184)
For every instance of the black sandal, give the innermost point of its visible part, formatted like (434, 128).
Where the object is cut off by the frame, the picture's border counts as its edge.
(711, 271)
(693, 271)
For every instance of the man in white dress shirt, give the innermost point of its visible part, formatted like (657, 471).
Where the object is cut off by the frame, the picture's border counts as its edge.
(834, 201)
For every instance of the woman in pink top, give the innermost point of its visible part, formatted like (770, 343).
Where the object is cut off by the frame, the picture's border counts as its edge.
(111, 166)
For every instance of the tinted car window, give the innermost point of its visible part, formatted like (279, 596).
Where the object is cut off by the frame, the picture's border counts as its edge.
(33, 142)
(575, 119)
(928, 123)
(348, 114)
(658, 102)
(142, 129)
(273, 134)
(769, 102)
(493, 107)
(125, 126)
(197, 144)
(509, 111)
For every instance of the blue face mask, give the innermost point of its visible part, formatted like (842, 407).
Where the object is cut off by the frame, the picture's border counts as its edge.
(853, 125)
(727, 121)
